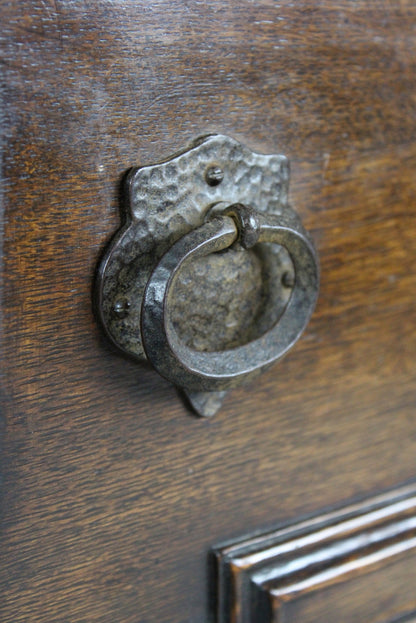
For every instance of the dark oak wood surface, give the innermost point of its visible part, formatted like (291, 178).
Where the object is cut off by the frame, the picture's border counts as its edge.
(112, 493)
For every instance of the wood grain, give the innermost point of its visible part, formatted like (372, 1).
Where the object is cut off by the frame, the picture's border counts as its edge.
(112, 492)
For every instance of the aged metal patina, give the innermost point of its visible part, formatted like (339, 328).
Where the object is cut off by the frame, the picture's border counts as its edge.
(212, 277)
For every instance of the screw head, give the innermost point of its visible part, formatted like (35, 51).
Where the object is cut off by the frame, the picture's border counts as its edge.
(288, 279)
(214, 175)
(121, 307)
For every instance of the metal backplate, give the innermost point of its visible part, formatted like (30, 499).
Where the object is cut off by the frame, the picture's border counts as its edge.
(221, 301)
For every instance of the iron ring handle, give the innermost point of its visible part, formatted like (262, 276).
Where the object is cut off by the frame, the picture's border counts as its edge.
(207, 371)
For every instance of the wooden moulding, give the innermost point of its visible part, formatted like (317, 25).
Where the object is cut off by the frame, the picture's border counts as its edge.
(356, 564)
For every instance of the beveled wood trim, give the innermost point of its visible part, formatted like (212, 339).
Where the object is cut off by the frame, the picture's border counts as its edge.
(259, 576)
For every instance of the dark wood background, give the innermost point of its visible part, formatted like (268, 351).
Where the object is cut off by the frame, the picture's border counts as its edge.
(112, 492)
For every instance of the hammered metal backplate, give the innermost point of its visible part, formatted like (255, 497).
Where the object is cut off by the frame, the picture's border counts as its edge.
(220, 301)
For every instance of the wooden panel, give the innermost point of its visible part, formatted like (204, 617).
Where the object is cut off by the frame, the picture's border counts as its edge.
(375, 596)
(112, 493)
(357, 564)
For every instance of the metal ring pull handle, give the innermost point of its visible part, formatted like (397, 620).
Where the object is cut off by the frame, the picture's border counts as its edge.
(207, 371)
(157, 293)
